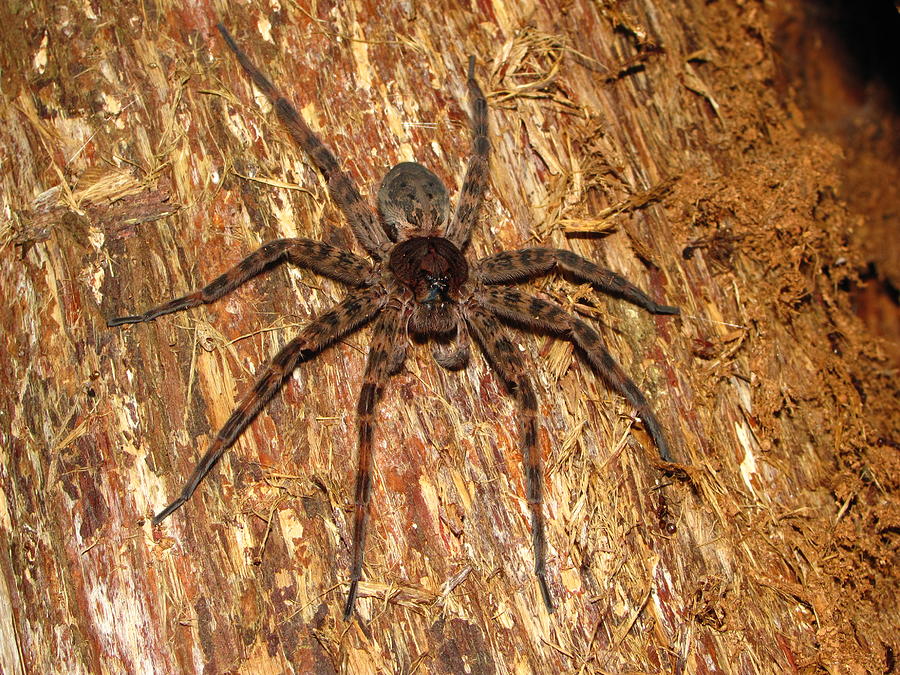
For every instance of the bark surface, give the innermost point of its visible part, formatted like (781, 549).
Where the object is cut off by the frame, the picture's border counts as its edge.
(677, 143)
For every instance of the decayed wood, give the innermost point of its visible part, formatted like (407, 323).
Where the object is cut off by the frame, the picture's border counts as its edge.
(139, 163)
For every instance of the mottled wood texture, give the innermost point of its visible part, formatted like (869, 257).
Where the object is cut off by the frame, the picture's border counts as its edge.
(658, 139)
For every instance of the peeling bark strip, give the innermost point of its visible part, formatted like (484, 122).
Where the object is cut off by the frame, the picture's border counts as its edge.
(782, 557)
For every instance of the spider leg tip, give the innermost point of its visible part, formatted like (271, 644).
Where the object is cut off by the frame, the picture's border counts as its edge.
(229, 40)
(122, 320)
(675, 470)
(351, 600)
(545, 594)
(169, 510)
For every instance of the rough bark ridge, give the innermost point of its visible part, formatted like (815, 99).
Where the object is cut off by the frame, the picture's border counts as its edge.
(665, 140)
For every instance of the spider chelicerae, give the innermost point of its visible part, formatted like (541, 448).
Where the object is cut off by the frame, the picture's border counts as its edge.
(419, 282)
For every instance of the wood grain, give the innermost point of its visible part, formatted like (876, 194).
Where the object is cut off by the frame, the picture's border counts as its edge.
(655, 138)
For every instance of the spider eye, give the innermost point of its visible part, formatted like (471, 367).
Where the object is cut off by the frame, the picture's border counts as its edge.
(437, 288)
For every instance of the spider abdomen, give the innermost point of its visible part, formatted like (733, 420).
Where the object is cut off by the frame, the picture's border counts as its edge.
(413, 201)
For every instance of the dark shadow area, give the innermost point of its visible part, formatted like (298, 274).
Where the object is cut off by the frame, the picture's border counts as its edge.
(842, 59)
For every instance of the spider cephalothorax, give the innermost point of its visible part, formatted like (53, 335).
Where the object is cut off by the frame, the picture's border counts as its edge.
(421, 282)
(434, 271)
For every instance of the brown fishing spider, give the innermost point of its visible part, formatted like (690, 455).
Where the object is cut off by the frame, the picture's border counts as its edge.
(419, 282)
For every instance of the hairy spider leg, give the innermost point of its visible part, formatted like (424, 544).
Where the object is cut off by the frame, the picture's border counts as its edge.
(509, 266)
(513, 304)
(380, 364)
(343, 192)
(354, 310)
(318, 256)
(505, 359)
(475, 182)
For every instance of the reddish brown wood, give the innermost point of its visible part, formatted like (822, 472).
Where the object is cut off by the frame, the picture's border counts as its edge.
(138, 163)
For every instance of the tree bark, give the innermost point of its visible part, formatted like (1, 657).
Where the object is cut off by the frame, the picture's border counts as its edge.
(667, 141)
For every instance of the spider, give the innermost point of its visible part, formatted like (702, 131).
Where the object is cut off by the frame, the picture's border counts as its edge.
(420, 282)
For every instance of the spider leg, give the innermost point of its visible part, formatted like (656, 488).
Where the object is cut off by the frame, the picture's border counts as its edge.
(513, 304)
(475, 183)
(342, 190)
(505, 358)
(349, 314)
(381, 362)
(508, 266)
(318, 256)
